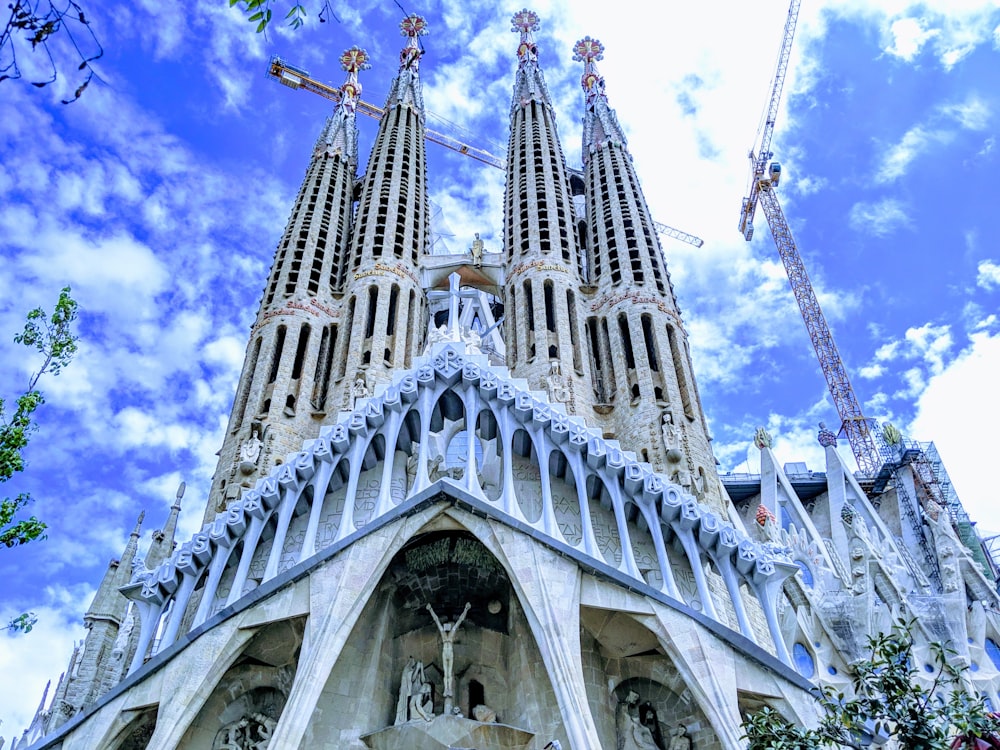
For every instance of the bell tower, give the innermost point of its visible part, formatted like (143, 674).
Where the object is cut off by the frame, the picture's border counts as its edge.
(640, 361)
(285, 388)
(544, 332)
(383, 301)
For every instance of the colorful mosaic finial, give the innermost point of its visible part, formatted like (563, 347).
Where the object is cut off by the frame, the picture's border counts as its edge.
(411, 27)
(826, 436)
(588, 51)
(524, 22)
(353, 60)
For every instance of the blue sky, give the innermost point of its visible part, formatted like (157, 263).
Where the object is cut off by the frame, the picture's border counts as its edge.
(160, 196)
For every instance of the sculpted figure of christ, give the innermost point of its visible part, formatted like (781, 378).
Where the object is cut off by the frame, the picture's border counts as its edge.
(448, 631)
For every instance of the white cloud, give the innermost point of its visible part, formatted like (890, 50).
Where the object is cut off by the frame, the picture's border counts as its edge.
(908, 38)
(879, 219)
(957, 413)
(988, 275)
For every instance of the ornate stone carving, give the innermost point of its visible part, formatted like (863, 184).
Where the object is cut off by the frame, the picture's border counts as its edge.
(633, 733)
(410, 684)
(448, 632)
(251, 732)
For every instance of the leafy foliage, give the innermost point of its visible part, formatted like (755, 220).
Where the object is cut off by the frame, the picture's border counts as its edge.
(23, 623)
(51, 336)
(259, 12)
(887, 703)
(35, 25)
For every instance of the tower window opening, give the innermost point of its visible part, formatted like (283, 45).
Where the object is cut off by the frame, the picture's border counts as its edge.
(324, 365)
(647, 336)
(626, 339)
(370, 320)
(596, 369)
(300, 351)
(574, 339)
(530, 310)
(241, 405)
(681, 374)
(411, 310)
(348, 329)
(550, 305)
(611, 384)
(276, 356)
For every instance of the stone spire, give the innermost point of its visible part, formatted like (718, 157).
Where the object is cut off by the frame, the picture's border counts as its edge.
(284, 388)
(80, 685)
(640, 363)
(108, 602)
(529, 84)
(544, 332)
(383, 302)
(600, 123)
(163, 539)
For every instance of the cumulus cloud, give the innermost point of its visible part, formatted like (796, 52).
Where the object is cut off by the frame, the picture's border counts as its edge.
(959, 388)
(988, 277)
(908, 37)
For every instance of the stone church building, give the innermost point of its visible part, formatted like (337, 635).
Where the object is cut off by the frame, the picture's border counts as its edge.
(470, 501)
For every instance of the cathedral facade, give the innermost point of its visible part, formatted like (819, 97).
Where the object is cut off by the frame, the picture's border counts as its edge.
(470, 501)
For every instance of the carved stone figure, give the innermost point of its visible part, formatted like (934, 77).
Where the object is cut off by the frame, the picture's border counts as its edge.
(648, 718)
(632, 733)
(251, 732)
(477, 251)
(422, 704)
(679, 739)
(250, 451)
(360, 387)
(555, 384)
(448, 632)
(484, 714)
(409, 684)
(671, 441)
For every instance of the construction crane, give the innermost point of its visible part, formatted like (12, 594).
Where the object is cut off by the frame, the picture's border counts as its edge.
(764, 177)
(296, 78)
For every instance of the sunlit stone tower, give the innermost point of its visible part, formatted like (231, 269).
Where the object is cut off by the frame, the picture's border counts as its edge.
(544, 335)
(383, 302)
(640, 361)
(288, 381)
(421, 545)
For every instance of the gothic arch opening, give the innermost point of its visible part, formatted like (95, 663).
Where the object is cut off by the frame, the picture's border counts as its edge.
(637, 695)
(394, 662)
(137, 731)
(247, 701)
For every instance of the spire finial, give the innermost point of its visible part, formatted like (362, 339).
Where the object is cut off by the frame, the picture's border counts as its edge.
(353, 60)
(138, 523)
(588, 51)
(412, 26)
(524, 22)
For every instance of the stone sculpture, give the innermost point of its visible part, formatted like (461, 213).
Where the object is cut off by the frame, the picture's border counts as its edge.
(250, 451)
(409, 685)
(679, 739)
(632, 733)
(360, 387)
(477, 251)
(448, 631)
(422, 704)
